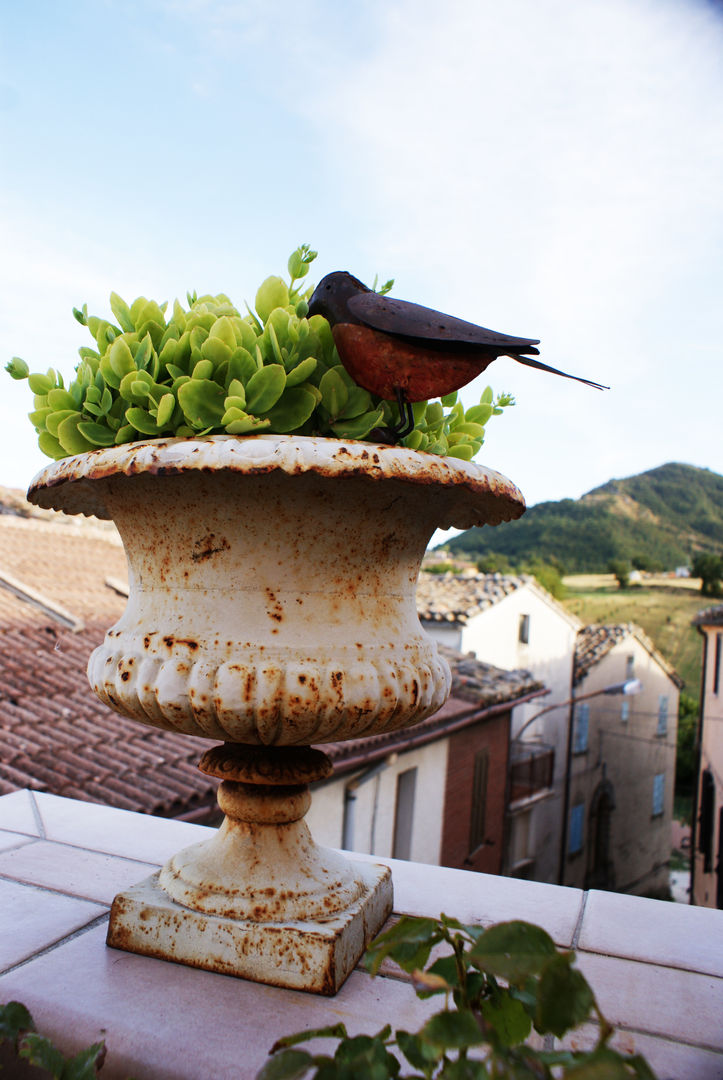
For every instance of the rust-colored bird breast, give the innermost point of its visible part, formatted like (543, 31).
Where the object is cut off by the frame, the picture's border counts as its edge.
(381, 363)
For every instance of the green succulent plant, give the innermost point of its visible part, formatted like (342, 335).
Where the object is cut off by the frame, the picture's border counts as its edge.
(209, 370)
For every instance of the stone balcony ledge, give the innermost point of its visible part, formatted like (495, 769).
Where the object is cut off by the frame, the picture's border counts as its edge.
(656, 968)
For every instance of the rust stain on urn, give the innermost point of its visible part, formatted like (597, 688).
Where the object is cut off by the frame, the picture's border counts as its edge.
(209, 546)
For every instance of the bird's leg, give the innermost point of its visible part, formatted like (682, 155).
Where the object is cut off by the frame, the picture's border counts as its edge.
(406, 416)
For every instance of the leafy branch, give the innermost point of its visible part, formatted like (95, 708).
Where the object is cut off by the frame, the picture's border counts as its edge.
(18, 1028)
(499, 984)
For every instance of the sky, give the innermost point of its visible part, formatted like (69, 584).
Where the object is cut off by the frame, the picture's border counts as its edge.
(547, 168)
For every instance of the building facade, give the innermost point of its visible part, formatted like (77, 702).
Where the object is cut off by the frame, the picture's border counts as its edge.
(512, 622)
(621, 772)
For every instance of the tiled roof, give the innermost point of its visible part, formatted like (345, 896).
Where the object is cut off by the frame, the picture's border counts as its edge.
(712, 616)
(457, 597)
(595, 641)
(54, 734)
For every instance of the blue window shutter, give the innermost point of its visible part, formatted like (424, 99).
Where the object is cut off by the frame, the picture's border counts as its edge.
(658, 793)
(582, 723)
(577, 819)
(662, 714)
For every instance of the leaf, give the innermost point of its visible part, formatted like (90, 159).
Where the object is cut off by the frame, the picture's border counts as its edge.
(478, 414)
(487, 396)
(40, 1051)
(122, 312)
(452, 1030)
(292, 410)
(241, 366)
(61, 399)
(15, 1019)
(301, 372)
(508, 1017)
(97, 434)
(286, 1065)
(142, 421)
(87, 1064)
(418, 1053)
(39, 384)
(334, 393)
(203, 369)
(165, 409)
(607, 1064)
(409, 943)
(121, 358)
(50, 446)
(564, 997)
(449, 399)
(512, 950)
(202, 402)
(264, 388)
(359, 427)
(331, 1031)
(70, 438)
(216, 352)
(237, 422)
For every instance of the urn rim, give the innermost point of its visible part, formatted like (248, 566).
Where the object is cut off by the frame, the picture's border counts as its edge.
(479, 495)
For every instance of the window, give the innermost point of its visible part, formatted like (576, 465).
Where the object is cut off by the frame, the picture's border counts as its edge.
(716, 663)
(662, 714)
(404, 814)
(658, 794)
(577, 820)
(581, 724)
(630, 668)
(479, 800)
(524, 631)
(625, 711)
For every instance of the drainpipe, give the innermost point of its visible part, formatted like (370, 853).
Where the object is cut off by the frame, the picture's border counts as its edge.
(350, 790)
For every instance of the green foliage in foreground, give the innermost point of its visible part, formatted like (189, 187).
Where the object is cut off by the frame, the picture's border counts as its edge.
(208, 370)
(499, 984)
(17, 1028)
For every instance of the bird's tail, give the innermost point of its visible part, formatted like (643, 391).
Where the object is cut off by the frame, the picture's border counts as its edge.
(546, 367)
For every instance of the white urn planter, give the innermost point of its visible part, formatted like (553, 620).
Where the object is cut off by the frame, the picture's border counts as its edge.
(272, 605)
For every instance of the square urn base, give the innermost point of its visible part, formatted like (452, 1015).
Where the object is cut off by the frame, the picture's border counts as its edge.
(299, 955)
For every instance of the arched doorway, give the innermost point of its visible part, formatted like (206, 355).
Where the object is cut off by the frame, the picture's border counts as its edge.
(600, 872)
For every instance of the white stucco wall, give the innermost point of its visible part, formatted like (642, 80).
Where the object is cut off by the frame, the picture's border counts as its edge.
(374, 807)
(631, 753)
(493, 635)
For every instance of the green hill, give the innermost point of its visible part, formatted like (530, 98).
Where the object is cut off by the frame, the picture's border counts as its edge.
(664, 515)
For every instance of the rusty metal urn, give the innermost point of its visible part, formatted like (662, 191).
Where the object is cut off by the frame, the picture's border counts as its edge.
(271, 606)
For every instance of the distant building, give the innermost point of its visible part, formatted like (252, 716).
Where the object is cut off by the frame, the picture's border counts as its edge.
(512, 622)
(619, 802)
(707, 855)
(435, 792)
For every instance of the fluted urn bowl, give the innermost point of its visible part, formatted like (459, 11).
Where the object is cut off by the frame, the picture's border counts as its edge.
(272, 580)
(271, 605)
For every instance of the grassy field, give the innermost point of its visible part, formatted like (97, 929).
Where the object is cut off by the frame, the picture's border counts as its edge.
(662, 607)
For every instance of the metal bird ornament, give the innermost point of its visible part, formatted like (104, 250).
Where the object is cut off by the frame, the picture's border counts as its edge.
(404, 352)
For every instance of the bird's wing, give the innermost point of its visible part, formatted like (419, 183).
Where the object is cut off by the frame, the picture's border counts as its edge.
(414, 321)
